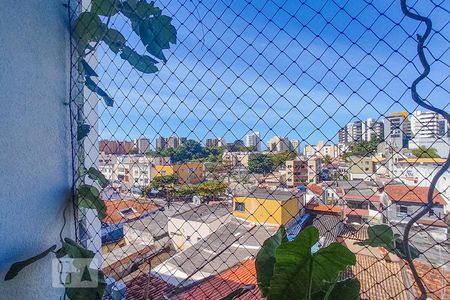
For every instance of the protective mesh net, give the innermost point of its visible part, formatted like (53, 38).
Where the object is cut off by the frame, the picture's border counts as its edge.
(267, 113)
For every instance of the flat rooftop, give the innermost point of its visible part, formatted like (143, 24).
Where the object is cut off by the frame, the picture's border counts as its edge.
(205, 212)
(278, 195)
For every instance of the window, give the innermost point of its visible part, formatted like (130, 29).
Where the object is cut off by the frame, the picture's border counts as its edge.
(239, 206)
(127, 212)
(402, 210)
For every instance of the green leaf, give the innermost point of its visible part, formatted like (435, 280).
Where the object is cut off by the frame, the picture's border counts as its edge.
(18, 266)
(145, 10)
(87, 69)
(88, 28)
(89, 197)
(74, 250)
(114, 39)
(142, 63)
(346, 289)
(265, 259)
(90, 84)
(85, 289)
(380, 236)
(83, 131)
(399, 246)
(104, 7)
(298, 273)
(155, 50)
(95, 174)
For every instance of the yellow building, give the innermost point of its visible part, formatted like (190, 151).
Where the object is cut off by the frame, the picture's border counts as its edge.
(268, 207)
(188, 173)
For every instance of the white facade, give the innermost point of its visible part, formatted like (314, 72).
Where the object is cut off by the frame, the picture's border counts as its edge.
(142, 145)
(253, 139)
(278, 144)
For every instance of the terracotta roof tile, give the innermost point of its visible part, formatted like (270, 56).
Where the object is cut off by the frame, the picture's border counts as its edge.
(380, 280)
(413, 194)
(224, 283)
(143, 285)
(315, 188)
(436, 280)
(322, 208)
(114, 208)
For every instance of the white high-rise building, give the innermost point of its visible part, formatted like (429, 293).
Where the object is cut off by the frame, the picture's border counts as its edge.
(279, 143)
(295, 146)
(253, 139)
(430, 130)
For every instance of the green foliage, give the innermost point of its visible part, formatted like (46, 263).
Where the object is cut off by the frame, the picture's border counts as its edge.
(18, 266)
(364, 148)
(89, 197)
(260, 163)
(90, 84)
(213, 189)
(383, 236)
(163, 182)
(190, 151)
(265, 260)
(280, 158)
(424, 152)
(105, 7)
(82, 131)
(95, 174)
(290, 270)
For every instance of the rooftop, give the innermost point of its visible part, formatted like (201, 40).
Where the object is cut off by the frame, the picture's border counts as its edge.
(205, 212)
(277, 195)
(417, 160)
(412, 194)
(118, 211)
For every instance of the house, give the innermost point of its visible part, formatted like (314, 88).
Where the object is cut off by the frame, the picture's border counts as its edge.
(187, 173)
(263, 206)
(236, 159)
(408, 200)
(189, 227)
(362, 168)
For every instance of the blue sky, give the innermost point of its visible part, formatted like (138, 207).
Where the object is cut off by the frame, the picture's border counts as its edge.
(300, 69)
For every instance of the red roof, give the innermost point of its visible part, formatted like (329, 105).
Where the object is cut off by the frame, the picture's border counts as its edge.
(371, 198)
(413, 194)
(219, 286)
(356, 212)
(324, 208)
(436, 280)
(115, 208)
(315, 188)
(143, 285)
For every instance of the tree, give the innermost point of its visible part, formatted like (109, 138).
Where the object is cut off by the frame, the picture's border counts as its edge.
(280, 158)
(424, 152)
(327, 160)
(260, 163)
(363, 148)
(164, 183)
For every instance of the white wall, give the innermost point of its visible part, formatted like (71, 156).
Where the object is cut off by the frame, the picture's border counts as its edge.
(34, 141)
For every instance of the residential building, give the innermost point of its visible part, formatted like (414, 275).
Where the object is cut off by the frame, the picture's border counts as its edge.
(430, 130)
(187, 173)
(361, 131)
(397, 130)
(361, 168)
(372, 129)
(278, 144)
(420, 172)
(174, 142)
(314, 169)
(115, 147)
(268, 207)
(236, 159)
(324, 150)
(217, 142)
(142, 145)
(406, 201)
(189, 227)
(296, 172)
(253, 139)
(160, 143)
(295, 146)
(343, 136)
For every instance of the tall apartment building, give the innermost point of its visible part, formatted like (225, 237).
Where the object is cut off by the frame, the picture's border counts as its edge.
(361, 131)
(160, 143)
(253, 139)
(430, 130)
(115, 147)
(142, 145)
(295, 146)
(397, 130)
(296, 172)
(279, 143)
(217, 142)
